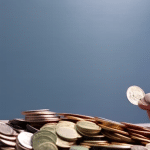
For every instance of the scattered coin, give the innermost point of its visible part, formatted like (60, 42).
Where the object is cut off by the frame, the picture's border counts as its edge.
(134, 94)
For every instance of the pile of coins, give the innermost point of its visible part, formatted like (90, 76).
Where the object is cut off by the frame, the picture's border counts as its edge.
(70, 132)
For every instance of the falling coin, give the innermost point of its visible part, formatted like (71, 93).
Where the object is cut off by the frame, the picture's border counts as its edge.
(134, 94)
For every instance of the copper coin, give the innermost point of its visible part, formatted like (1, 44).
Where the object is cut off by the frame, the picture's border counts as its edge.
(113, 129)
(133, 126)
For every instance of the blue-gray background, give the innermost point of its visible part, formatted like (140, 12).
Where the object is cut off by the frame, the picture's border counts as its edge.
(76, 56)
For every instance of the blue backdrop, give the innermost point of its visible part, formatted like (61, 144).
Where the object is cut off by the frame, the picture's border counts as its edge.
(76, 56)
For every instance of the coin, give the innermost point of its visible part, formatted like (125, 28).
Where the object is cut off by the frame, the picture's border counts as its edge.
(6, 137)
(110, 123)
(134, 126)
(138, 147)
(67, 133)
(63, 144)
(113, 129)
(7, 143)
(47, 133)
(145, 133)
(42, 119)
(24, 138)
(88, 127)
(31, 128)
(40, 140)
(134, 94)
(78, 147)
(6, 129)
(47, 146)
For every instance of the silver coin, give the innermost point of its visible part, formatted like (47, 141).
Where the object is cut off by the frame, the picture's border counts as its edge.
(134, 94)
(24, 139)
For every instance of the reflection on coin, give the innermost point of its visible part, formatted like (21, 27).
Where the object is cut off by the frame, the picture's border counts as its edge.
(134, 94)
(7, 148)
(10, 138)
(7, 143)
(66, 133)
(24, 138)
(6, 129)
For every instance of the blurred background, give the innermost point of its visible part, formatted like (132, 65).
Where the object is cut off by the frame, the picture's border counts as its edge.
(74, 56)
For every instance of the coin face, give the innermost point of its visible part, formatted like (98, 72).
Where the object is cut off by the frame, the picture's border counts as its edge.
(134, 94)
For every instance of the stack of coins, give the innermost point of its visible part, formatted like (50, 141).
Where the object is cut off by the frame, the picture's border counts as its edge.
(7, 137)
(91, 134)
(37, 118)
(115, 131)
(138, 133)
(23, 141)
(66, 134)
(44, 139)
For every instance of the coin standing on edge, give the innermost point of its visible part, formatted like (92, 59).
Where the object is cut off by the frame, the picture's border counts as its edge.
(134, 94)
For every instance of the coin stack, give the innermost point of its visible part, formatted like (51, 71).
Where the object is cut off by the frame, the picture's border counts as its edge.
(66, 134)
(115, 131)
(7, 137)
(138, 133)
(37, 118)
(91, 134)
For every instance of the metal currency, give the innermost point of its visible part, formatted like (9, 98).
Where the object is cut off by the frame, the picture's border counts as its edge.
(63, 144)
(78, 147)
(67, 133)
(6, 129)
(110, 123)
(6, 137)
(47, 146)
(134, 94)
(68, 124)
(113, 129)
(45, 133)
(133, 126)
(88, 127)
(7, 143)
(24, 138)
(42, 119)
